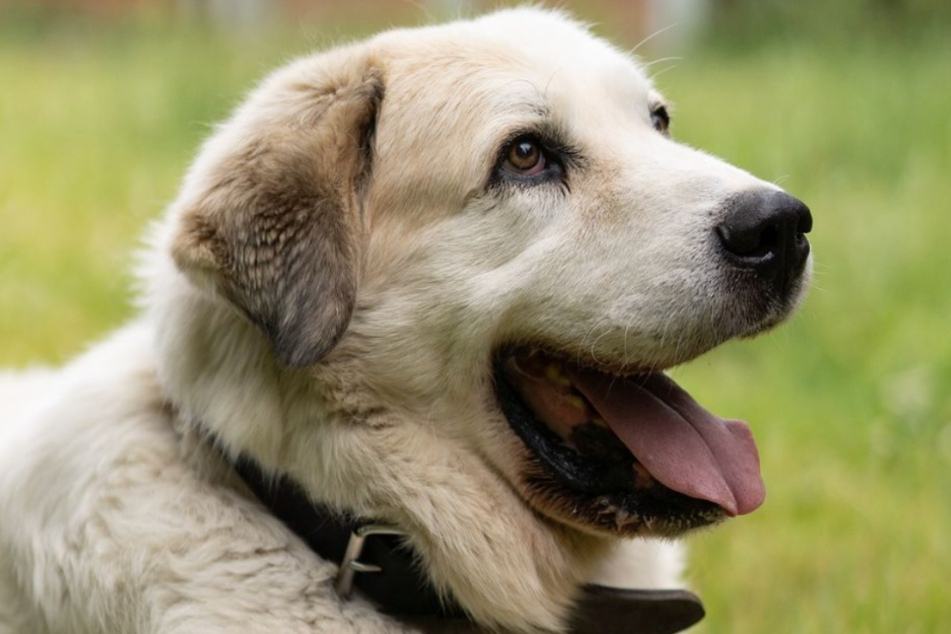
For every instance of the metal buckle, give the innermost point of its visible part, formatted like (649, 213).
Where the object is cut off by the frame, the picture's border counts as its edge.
(350, 565)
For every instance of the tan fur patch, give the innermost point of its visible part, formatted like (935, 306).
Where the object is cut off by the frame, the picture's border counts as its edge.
(278, 228)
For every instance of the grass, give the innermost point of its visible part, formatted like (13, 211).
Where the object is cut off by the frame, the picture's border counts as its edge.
(851, 402)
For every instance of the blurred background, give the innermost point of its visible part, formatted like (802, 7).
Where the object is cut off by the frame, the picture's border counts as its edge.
(846, 104)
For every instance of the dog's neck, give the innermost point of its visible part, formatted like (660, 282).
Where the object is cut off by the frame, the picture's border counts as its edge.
(518, 571)
(373, 558)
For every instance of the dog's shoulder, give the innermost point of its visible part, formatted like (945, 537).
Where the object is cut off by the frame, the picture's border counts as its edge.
(104, 501)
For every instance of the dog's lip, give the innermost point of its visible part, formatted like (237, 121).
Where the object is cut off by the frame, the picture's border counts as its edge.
(671, 438)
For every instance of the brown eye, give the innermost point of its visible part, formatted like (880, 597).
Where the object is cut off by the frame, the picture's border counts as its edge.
(660, 119)
(524, 157)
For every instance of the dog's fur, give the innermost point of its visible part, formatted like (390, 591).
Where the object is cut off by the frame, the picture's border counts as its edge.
(326, 295)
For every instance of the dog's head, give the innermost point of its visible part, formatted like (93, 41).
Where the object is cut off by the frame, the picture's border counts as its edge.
(484, 234)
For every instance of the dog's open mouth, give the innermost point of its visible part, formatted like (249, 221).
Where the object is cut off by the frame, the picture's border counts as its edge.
(630, 452)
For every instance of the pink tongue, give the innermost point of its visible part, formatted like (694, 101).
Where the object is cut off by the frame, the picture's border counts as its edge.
(682, 445)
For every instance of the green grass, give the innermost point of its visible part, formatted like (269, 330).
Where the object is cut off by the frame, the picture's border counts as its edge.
(851, 402)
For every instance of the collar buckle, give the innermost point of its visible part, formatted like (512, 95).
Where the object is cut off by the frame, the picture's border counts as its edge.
(351, 564)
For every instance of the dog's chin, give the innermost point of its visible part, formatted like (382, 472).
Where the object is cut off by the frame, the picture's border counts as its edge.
(621, 450)
(761, 310)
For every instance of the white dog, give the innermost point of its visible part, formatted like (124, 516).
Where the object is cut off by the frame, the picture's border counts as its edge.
(430, 280)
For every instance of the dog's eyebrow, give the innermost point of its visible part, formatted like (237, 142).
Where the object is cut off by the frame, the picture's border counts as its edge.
(655, 100)
(527, 107)
(526, 114)
(539, 110)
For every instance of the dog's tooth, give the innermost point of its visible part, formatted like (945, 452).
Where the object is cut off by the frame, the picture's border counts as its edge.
(642, 477)
(575, 401)
(600, 422)
(554, 374)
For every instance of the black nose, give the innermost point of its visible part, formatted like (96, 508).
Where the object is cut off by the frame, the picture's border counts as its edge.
(764, 230)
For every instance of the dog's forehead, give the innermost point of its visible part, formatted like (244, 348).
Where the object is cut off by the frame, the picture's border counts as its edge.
(561, 51)
(511, 66)
(456, 93)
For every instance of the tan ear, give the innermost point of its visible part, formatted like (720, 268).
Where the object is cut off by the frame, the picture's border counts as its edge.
(276, 225)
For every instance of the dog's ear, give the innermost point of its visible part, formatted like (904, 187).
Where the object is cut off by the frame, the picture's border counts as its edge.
(274, 221)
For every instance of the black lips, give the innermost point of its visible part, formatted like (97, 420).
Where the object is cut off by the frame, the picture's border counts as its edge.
(597, 487)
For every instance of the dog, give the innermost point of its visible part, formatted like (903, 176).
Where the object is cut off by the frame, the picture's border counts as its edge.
(433, 280)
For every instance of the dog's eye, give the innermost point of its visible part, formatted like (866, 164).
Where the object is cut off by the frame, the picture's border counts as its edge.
(660, 119)
(525, 157)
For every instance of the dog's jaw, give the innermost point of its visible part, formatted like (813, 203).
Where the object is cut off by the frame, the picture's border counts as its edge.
(517, 570)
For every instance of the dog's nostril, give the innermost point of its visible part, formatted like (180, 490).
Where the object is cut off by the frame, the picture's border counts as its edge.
(749, 241)
(769, 238)
(805, 221)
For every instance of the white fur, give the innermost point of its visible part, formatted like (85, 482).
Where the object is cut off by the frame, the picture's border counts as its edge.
(114, 517)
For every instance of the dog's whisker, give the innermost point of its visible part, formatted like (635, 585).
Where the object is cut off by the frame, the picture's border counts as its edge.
(660, 72)
(647, 65)
(650, 37)
(548, 83)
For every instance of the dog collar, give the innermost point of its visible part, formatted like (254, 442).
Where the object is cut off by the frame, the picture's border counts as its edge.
(374, 559)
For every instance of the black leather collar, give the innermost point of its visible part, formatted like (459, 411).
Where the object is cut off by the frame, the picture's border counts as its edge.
(399, 589)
